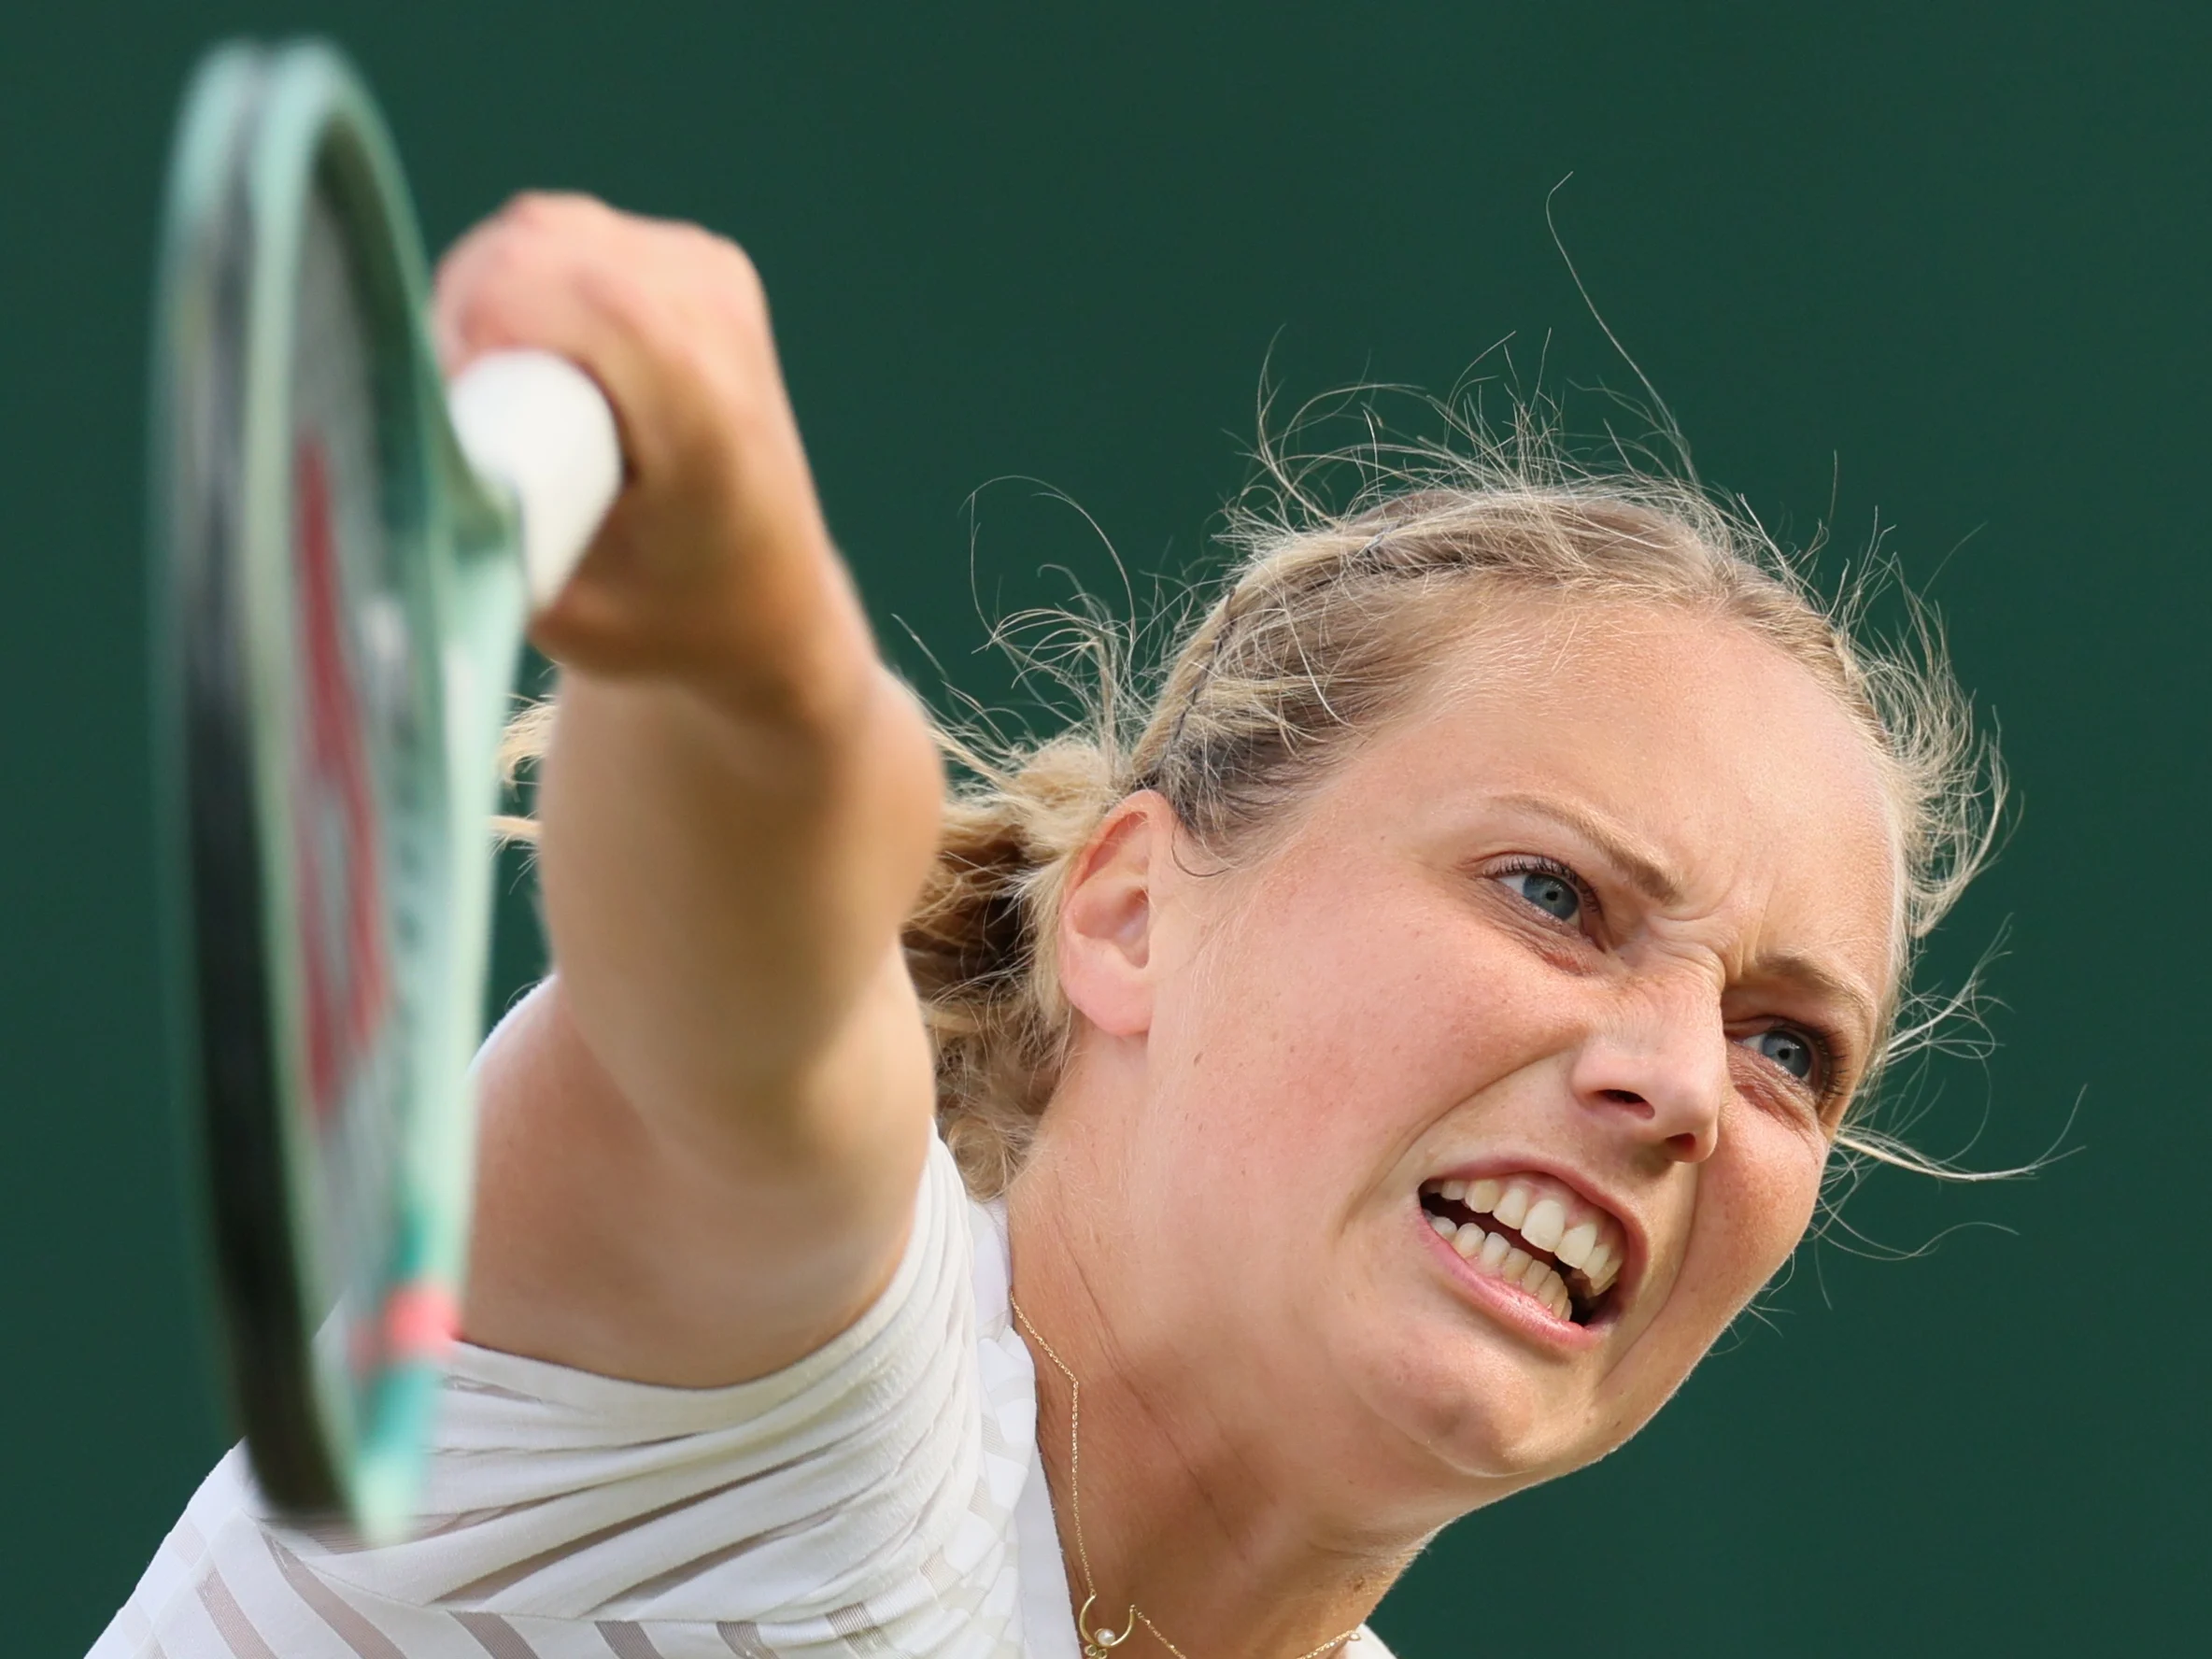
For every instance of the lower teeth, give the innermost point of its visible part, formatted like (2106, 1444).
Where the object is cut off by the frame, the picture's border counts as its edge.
(1499, 1257)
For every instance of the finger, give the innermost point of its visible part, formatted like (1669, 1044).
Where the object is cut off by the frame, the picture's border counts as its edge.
(494, 254)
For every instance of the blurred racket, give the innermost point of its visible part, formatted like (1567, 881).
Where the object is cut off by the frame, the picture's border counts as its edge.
(345, 560)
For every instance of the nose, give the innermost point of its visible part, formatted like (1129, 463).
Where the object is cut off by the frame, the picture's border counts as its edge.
(1659, 1067)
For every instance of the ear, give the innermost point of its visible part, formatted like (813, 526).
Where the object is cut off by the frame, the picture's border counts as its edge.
(1108, 912)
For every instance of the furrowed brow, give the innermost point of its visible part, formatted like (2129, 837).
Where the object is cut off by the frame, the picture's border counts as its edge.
(1645, 872)
(1830, 987)
(1649, 875)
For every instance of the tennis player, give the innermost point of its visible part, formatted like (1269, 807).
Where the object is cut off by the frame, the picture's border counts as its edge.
(1141, 1194)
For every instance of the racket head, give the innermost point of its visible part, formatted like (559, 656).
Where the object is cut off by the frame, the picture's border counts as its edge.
(315, 537)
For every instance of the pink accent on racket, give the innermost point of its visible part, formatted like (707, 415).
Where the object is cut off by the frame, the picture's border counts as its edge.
(421, 1323)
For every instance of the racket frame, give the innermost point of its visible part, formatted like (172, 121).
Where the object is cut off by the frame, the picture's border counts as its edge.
(263, 134)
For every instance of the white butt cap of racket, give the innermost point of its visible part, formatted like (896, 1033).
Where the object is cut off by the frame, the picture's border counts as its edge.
(541, 426)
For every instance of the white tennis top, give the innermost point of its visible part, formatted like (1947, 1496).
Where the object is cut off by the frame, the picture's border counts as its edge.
(882, 1497)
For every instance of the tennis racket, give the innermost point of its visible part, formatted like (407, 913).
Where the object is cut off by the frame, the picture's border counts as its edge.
(346, 553)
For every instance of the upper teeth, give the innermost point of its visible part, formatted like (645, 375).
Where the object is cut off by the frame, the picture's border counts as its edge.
(1547, 1217)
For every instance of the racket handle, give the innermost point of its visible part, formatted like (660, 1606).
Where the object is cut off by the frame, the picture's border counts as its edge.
(539, 425)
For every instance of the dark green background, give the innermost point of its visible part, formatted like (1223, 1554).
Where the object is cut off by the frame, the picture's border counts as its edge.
(1937, 266)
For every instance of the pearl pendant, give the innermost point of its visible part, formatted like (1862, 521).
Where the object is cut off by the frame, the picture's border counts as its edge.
(1098, 1639)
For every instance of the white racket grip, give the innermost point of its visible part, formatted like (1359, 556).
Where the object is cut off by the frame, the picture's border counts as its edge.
(541, 426)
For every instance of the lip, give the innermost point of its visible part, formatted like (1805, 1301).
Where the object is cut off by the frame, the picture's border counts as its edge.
(1523, 1311)
(1510, 1306)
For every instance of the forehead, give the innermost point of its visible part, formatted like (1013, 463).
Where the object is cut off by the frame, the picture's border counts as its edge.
(1726, 765)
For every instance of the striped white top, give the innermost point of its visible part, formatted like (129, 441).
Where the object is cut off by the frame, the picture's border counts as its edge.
(880, 1498)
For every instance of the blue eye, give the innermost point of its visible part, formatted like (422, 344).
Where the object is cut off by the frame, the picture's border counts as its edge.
(1787, 1049)
(1550, 892)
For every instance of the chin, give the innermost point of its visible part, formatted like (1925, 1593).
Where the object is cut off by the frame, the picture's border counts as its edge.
(1473, 1415)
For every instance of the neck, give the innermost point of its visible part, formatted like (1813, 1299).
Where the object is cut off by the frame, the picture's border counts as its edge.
(1214, 1537)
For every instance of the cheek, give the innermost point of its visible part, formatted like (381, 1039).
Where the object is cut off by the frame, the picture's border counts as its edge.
(1354, 1020)
(1755, 1201)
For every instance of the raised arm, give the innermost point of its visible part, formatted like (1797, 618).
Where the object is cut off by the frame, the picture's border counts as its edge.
(703, 1135)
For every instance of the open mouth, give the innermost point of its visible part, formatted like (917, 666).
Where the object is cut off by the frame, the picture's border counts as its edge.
(1532, 1232)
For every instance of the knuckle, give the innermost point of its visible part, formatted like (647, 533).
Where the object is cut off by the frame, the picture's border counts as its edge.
(737, 287)
(525, 210)
(543, 209)
(738, 268)
(749, 294)
(719, 260)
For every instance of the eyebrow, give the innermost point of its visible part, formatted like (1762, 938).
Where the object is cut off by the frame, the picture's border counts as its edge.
(1646, 872)
(1826, 984)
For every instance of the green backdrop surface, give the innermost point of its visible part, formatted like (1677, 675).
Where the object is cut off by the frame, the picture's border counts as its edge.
(1937, 269)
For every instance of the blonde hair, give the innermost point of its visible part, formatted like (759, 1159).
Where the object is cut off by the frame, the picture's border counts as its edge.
(1331, 620)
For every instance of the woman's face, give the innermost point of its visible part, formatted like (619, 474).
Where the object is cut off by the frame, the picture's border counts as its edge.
(1585, 957)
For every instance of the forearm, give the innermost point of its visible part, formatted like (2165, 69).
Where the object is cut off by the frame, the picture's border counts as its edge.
(722, 885)
(700, 1142)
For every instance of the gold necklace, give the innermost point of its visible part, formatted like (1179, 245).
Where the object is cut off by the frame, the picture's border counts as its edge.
(1099, 1639)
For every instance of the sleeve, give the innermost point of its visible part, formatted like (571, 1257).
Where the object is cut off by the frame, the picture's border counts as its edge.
(844, 1504)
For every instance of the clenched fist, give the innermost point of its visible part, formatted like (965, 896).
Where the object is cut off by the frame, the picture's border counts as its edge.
(715, 567)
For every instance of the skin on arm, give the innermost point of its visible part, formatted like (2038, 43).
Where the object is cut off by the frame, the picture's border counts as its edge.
(702, 1136)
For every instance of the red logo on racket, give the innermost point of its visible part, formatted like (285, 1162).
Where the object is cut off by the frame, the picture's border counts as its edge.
(340, 860)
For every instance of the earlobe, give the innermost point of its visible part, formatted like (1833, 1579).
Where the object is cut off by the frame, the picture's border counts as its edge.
(1107, 916)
